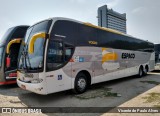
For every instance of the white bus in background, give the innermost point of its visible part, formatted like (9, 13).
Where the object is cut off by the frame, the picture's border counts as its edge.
(62, 54)
(157, 56)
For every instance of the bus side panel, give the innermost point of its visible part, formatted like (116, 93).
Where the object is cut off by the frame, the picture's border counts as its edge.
(59, 80)
(108, 64)
(85, 59)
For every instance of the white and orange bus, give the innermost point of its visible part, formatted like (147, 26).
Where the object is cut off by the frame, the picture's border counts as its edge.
(61, 54)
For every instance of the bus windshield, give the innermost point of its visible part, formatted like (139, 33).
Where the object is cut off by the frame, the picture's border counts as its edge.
(5, 36)
(34, 61)
(1, 52)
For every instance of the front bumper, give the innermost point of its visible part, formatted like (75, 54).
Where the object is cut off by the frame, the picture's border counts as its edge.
(33, 87)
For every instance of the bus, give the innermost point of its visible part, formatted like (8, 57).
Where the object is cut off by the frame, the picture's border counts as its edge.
(157, 56)
(62, 54)
(9, 50)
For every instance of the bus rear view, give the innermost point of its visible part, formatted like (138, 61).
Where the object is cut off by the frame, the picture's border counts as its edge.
(9, 50)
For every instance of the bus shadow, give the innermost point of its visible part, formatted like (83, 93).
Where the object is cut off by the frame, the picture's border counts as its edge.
(107, 94)
(8, 86)
(9, 90)
(156, 71)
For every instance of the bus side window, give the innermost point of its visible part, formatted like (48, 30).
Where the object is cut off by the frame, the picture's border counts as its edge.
(54, 55)
(68, 52)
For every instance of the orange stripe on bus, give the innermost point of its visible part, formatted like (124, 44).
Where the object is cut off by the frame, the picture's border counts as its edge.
(109, 57)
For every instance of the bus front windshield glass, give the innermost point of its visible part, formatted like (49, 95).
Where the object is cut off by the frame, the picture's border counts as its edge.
(5, 36)
(34, 61)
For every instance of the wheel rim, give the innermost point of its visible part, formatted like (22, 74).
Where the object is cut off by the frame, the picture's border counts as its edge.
(81, 84)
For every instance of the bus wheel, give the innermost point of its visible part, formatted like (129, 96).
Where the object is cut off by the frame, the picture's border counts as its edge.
(140, 74)
(80, 83)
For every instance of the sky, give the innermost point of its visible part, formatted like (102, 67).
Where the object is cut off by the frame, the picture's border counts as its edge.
(143, 17)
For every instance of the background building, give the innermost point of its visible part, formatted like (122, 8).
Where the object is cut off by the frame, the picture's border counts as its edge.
(111, 19)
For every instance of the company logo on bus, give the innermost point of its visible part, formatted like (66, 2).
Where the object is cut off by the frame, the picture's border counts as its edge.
(128, 55)
(109, 59)
(93, 42)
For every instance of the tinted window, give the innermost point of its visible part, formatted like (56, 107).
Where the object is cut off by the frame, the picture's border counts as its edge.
(105, 39)
(73, 33)
(112, 40)
(68, 52)
(64, 30)
(6, 36)
(54, 55)
(79, 35)
(19, 32)
(58, 54)
(86, 34)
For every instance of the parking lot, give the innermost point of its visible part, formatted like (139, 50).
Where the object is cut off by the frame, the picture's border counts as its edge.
(108, 94)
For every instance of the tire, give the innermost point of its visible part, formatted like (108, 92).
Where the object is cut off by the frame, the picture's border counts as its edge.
(140, 73)
(80, 85)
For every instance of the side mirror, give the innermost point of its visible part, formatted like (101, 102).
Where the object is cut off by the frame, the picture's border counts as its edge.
(8, 62)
